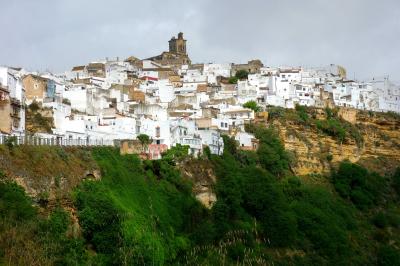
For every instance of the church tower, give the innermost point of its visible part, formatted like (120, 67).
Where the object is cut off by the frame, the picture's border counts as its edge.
(178, 46)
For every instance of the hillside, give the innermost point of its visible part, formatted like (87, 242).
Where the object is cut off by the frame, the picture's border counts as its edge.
(75, 206)
(318, 141)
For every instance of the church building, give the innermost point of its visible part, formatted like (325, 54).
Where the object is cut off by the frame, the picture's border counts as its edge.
(177, 54)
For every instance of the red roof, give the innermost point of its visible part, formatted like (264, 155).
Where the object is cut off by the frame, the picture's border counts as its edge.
(148, 78)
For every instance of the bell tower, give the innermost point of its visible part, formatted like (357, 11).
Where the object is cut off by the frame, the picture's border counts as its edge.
(178, 45)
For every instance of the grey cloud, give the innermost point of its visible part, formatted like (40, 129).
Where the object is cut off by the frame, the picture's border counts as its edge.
(362, 35)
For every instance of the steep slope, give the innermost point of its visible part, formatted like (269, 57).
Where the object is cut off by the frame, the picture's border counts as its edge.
(315, 151)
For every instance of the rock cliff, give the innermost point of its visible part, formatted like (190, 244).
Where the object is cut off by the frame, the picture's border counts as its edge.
(315, 152)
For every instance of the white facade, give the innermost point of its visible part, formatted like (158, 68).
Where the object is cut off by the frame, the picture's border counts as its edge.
(212, 138)
(11, 80)
(244, 139)
(77, 97)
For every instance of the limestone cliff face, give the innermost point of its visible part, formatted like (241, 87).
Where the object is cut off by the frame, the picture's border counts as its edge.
(316, 152)
(201, 173)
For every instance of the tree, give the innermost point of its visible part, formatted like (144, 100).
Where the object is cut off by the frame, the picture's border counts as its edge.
(252, 105)
(144, 140)
(176, 153)
(396, 180)
(354, 182)
(233, 80)
(242, 74)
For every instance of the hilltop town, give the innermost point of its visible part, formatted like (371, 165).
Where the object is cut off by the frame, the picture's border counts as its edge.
(171, 100)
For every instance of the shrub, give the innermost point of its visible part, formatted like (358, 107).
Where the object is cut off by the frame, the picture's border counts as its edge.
(58, 221)
(241, 74)
(176, 153)
(380, 220)
(396, 181)
(354, 182)
(252, 105)
(275, 112)
(233, 80)
(333, 128)
(10, 142)
(14, 203)
(34, 106)
(330, 113)
(302, 113)
(388, 256)
(99, 219)
(207, 152)
(271, 152)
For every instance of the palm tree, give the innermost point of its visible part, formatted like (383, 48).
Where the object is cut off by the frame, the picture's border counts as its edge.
(145, 141)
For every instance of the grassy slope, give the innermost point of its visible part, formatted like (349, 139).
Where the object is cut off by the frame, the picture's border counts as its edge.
(152, 209)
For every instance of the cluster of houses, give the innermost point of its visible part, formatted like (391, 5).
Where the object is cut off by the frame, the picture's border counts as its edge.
(174, 101)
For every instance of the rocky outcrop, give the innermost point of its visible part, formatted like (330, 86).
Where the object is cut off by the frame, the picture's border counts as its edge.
(314, 152)
(201, 173)
(48, 174)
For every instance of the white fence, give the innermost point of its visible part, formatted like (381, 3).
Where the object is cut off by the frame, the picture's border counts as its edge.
(34, 140)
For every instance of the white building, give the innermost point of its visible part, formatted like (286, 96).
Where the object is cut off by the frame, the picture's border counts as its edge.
(11, 81)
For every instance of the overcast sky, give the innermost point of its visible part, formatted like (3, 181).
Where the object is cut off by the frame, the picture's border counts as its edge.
(361, 35)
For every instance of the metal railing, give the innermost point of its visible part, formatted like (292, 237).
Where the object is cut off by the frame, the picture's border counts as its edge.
(40, 141)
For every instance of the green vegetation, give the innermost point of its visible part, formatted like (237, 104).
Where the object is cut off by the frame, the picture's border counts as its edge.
(396, 181)
(354, 182)
(66, 101)
(233, 80)
(252, 105)
(176, 154)
(144, 213)
(149, 208)
(144, 140)
(332, 125)
(302, 114)
(26, 238)
(35, 121)
(10, 142)
(239, 75)
(275, 112)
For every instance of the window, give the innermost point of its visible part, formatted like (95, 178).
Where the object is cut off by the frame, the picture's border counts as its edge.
(222, 124)
(158, 132)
